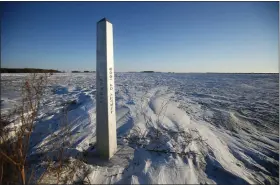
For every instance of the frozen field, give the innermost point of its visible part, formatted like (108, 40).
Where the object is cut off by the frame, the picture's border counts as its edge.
(172, 128)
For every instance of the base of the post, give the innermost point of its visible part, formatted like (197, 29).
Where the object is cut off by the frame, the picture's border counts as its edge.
(122, 156)
(105, 152)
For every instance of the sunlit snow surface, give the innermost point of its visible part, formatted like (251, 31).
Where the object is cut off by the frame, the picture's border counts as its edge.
(237, 115)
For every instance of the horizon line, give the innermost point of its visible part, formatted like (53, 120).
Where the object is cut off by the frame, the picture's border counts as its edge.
(143, 71)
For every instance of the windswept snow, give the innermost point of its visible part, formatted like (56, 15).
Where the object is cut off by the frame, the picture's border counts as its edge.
(172, 128)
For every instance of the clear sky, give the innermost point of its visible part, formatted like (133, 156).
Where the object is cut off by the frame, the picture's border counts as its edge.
(160, 36)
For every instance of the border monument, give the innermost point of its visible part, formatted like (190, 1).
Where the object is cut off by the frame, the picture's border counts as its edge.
(105, 94)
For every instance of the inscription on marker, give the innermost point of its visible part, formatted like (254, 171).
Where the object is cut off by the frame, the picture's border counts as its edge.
(111, 90)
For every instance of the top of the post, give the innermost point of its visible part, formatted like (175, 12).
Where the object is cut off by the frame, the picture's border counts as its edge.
(104, 19)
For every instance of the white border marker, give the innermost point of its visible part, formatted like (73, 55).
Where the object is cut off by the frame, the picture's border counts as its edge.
(105, 94)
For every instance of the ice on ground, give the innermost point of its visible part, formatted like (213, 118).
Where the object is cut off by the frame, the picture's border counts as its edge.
(172, 128)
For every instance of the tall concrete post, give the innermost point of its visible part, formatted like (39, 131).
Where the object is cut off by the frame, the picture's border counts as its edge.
(105, 95)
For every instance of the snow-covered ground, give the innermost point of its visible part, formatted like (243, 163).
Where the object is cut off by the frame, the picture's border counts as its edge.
(172, 128)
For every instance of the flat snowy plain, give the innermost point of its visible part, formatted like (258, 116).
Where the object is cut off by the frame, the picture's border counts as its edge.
(172, 128)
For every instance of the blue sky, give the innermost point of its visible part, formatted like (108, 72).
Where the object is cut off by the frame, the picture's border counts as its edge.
(160, 36)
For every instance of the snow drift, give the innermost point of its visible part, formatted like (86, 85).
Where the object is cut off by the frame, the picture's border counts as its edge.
(172, 128)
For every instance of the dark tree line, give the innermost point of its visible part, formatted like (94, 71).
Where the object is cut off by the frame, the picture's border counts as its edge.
(28, 70)
(147, 71)
(83, 72)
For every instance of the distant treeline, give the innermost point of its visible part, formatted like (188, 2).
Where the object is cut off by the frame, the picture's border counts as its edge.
(83, 71)
(35, 70)
(147, 71)
(28, 70)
